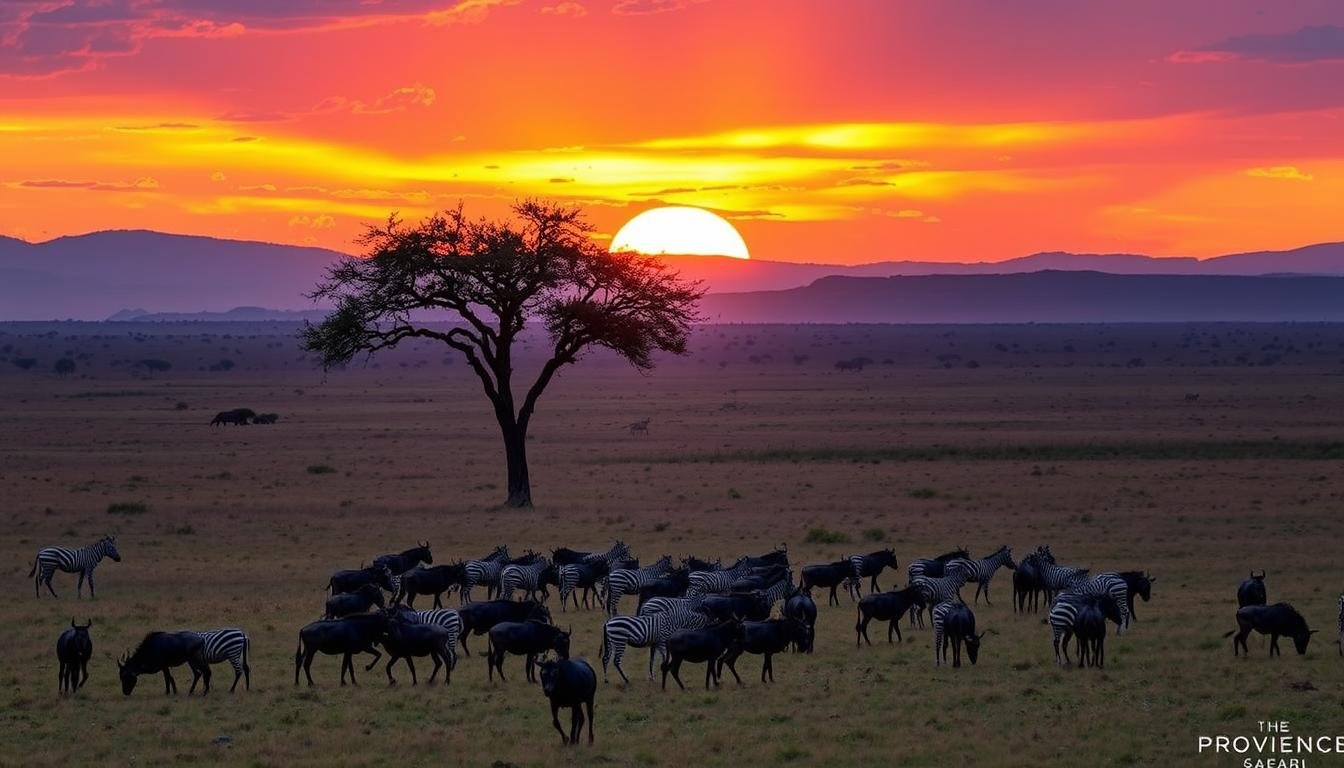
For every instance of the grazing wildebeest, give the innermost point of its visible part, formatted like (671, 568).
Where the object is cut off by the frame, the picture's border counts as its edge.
(73, 649)
(359, 601)
(699, 646)
(800, 606)
(1089, 626)
(829, 576)
(570, 683)
(353, 634)
(406, 639)
(435, 580)
(954, 623)
(870, 566)
(1273, 620)
(888, 607)
(401, 562)
(81, 561)
(751, 606)
(524, 638)
(1252, 591)
(237, 416)
(765, 638)
(478, 618)
(351, 580)
(160, 652)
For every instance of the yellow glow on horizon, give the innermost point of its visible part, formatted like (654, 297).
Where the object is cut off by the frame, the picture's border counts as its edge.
(680, 230)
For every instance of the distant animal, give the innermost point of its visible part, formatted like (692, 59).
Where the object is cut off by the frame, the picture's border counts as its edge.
(955, 623)
(401, 562)
(888, 607)
(569, 683)
(73, 649)
(829, 576)
(1063, 618)
(231, 645)
(1280, 619)
(524, 638)
(1252, 591)
(358, 633)
(81, 561)
(1191, 397)
(266, 418)
(765, 638)
(407, 639)
(639, 427)
(870, 565)
(351, 580)
(981, 571)
(435, 580)
(705, 645)
(160, 652)
(237, 416)
(359, 601)
(478, 618)
(800, 606)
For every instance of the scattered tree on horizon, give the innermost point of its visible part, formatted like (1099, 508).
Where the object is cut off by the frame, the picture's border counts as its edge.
(495, 276)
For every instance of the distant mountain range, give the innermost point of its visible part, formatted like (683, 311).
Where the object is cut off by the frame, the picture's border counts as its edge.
(102, 274)
(1050, 296)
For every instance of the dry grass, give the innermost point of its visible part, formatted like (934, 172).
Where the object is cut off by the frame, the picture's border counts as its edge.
(237, 530)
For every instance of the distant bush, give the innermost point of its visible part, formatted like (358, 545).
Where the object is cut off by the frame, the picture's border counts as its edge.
(825, 536)
(874, 534)
(127, 508)
(922, 493)
(321, 469)
(26, 363)
(222, 365)
(181, 406)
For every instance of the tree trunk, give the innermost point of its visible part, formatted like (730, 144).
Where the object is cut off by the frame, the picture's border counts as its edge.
(515, 452)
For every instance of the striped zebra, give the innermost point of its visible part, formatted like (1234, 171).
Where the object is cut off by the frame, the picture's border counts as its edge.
(939, 613)
(626, 581)
(447, 618)
(1057, 578)
(1064, 612)
(484, 571)
(933, 567)
(1112, 584)
(231, 645)
(530, 577)
(649, 631)
(944, 589)
(717, 582)
(981, 571)
(82, 561)
(870, 565)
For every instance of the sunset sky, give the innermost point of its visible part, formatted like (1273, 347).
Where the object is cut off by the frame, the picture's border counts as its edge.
(845, 131)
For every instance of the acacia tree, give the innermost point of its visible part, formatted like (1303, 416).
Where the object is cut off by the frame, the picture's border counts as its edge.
(492, 278)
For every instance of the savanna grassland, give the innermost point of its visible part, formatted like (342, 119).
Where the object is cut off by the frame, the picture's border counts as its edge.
(1080, 437)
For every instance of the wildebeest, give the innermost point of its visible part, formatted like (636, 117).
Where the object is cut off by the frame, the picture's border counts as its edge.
(160, 652)
(73, 649)
(408, 639)
(752, 606)
(888, 607)
(401, 562)
(829, 576)
(359, 601)
(435, 580)
(348, 636)
(765, 638)
(1089, 626)
(266, 418)
(671, 584)
(478, 618)
(570, 683)
(351, 580)
(1026, 585)
(800, 606)
(237, 416)
(955, 623)
(1063, 618)
(524, 638)
(1252, 591)
(700, 646)
(1280, 619)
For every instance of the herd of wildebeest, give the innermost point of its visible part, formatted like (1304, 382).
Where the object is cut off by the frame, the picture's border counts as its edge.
(698, 611)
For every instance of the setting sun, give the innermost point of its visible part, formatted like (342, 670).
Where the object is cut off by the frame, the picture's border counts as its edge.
(680, 230)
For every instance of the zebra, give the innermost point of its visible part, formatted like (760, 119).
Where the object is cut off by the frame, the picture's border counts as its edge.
(1112, 584)
(447, 618)
(484, 571)
(651, 631)
(939, 614)
(231, 645)
(944, 589)
(934, 567)
(1057, 578)
(717, 582)
(981, 571)
(530, 577)
(1064, 611)
(871, 565)
(82, 560)
(625, 581)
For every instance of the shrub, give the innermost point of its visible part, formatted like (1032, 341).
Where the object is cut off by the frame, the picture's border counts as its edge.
(321, 469)
(824, 536)
(127, 508)
(26, 363)
(922, 493)
(874, 534)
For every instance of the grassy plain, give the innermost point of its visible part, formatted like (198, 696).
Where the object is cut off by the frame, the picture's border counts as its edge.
(1081, 437)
